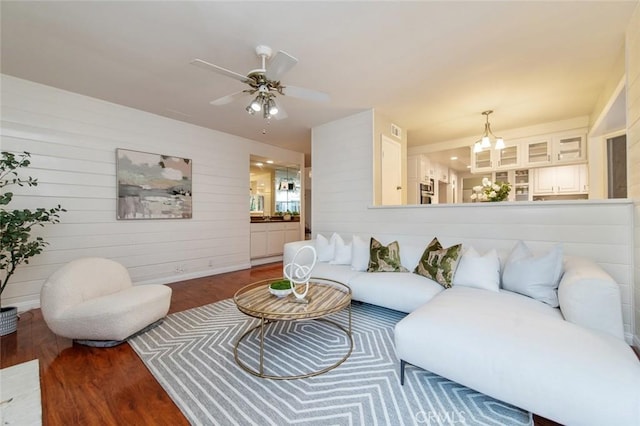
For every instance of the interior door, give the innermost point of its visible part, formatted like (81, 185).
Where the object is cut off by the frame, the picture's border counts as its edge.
(391, 173)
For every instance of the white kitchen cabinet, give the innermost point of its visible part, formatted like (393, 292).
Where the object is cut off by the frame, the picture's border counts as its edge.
(292, 232)
(508, 157)
(560, 180)
(442, 173)
(584, 178)
(481, 161)
(427, 170)
(536, 152)
(419, 168)
(275, 239)
(413, 165)
(268, 238)
(258, 240)
(569, 149)
(490, 159)
(521, 187)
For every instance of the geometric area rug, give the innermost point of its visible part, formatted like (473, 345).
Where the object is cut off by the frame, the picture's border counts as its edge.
(191, 356)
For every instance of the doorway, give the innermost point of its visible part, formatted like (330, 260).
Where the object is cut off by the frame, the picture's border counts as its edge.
(617, 167)
(391, 172)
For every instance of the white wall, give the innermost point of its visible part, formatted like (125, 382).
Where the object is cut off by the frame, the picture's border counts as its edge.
(600, 230)
(73, 138)
(632, 47)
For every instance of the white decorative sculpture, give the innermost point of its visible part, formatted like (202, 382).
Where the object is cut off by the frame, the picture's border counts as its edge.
(300, 274)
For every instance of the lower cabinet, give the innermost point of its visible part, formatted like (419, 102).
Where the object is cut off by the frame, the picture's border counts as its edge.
(561, 180)
(268, 238)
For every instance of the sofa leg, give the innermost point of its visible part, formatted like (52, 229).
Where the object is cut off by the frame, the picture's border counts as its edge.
(403, 363)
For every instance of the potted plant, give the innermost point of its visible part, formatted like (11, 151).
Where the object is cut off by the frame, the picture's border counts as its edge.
(280, 288)
(17, 245)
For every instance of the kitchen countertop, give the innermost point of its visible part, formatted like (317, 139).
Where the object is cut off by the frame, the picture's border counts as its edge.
(260, 219)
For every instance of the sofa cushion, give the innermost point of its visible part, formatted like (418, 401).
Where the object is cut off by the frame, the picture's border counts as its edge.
(478, 271)
(342, 252)
(359, 254)
(340, 273)
(384, 258)
(589, 297)
(401, 291)
(439, 263)
(536, 276)
(326, 247)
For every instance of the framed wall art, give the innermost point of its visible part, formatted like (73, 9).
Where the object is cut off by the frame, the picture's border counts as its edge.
(153, 186)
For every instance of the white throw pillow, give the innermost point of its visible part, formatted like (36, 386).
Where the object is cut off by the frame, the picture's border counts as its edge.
(359, 254)
(478, 271)
(342, 254)
(325, 247)
(534, 276)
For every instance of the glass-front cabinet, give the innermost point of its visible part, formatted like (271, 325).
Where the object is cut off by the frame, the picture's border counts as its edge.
(537, 152)
(569, 149)
(287, 190)
(481, 160)
(508, 157)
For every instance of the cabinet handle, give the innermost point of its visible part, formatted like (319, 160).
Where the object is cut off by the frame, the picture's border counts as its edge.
(548, 157)
(558, 156)
(398, 187)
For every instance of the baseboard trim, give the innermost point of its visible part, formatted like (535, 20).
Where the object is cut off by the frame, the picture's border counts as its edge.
(265, 260)
(192, 275)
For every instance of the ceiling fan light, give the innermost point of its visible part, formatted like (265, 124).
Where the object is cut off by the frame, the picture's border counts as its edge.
(256, 104)
(250, 110)
(273, 108)
(500, 143)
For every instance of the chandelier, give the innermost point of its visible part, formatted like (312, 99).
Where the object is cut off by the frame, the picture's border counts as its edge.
(265, 102)
(485, 142)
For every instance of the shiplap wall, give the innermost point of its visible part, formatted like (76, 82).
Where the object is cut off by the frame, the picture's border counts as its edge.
(342, 198)
(632, 47)
(73, 138)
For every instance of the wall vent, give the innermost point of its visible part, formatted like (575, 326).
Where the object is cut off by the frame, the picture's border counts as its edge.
(396, 131)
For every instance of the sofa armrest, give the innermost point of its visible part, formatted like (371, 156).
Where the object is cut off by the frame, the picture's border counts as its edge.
(291, 248)
(590, 298)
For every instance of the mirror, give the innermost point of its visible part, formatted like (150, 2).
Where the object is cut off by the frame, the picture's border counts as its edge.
(274, 189)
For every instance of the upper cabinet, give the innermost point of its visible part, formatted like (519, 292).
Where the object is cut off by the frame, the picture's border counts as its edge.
(419, 168)
(481, 161)
(537, 152)
(569, 149)
(547, 150)
(508, 157)
(496, 159)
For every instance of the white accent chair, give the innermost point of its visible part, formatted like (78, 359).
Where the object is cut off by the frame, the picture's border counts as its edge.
(93, 299)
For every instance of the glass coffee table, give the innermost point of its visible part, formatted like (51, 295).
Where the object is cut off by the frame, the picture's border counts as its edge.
(325, 297)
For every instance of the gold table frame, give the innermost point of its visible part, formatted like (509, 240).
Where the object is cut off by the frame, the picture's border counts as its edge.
(325, 297)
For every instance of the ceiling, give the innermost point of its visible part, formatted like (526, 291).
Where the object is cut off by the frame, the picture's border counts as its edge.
(432, 67)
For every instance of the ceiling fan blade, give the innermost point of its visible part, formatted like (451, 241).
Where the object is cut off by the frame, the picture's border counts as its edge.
(228, 99)
(282, 114)
(302, 93)
(211, 67)
(279, 65)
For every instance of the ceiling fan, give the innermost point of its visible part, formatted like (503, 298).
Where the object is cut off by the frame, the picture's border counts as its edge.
(264, 83)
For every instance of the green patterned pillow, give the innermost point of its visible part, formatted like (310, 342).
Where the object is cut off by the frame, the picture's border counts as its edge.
(384, 258)
(438, 263)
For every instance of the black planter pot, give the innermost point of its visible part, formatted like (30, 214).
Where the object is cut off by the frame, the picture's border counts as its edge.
(8, 320)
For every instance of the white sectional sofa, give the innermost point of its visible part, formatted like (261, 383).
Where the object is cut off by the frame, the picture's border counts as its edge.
(569, 363)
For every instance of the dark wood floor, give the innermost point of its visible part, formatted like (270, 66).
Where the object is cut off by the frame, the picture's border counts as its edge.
(94, 386)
